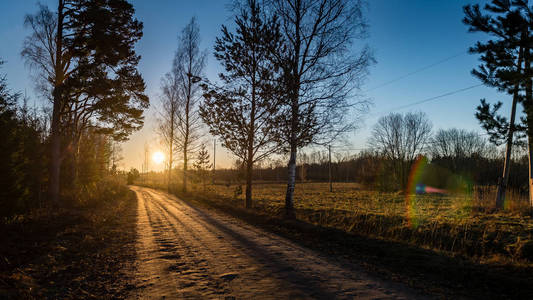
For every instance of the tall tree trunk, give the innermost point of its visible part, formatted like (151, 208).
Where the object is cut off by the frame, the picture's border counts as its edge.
(55, 149)
(170, 148)
(250, 153)
(75, 159)
(294, 86)
(55, 135)
(186, 138)
(529, 112)
(185, 162)
(502, 186)
(249, 178)
(289, 197)
(291, 180)
(329, 170)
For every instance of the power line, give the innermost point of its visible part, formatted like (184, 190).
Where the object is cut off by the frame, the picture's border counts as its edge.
(416, 71)
(430, 99)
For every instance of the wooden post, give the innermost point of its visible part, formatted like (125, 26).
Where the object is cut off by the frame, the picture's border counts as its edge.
(214, 158)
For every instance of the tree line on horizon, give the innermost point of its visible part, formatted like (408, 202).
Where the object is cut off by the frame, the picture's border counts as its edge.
(454, 156)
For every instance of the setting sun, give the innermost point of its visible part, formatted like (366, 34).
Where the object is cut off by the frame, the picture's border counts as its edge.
(158, 157)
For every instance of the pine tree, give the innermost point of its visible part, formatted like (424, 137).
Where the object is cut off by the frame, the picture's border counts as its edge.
(90, 75)
(245, 111)
(503, 67)
(202, 164)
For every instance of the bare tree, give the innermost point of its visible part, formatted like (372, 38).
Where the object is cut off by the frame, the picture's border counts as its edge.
(401, 138)
(457, 143)
(321, 73)
(167, 119)
(189, 63)
(44, 51)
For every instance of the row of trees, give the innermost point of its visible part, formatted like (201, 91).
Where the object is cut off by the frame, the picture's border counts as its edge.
(21, 153)
(290, 76)
(290, 72)
(397, 141)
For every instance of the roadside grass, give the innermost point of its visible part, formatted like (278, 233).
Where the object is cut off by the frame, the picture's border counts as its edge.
(83, 250)
(461, 224)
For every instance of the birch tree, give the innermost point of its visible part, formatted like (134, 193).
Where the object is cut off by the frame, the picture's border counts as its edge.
(188, 67)
(167, 119)
(322, 72)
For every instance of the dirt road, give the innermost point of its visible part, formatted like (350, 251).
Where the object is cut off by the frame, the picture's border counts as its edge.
(186, 252)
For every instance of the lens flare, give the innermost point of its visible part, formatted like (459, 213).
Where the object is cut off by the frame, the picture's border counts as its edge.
(424, 189)
(414, 187)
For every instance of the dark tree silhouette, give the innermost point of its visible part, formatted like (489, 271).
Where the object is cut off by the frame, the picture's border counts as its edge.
(22, 156)
(321, 73)
(85, 53)
(502, 57)
(244, 112)
(400, 139)
(202, 164)
(457, 143)
(133, 175)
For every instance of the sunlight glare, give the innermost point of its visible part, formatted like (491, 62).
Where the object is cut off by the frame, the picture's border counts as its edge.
(158, 157)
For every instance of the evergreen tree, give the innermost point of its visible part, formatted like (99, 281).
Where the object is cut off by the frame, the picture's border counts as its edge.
(202, 164)
(22, 156)
(90, 75)
(503, 65)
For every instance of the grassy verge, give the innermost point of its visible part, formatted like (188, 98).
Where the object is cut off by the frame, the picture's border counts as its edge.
(456, 224)
(84, 251)
(442, 254)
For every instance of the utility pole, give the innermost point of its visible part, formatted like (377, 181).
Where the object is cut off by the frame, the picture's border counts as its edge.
(146, 150)
(214, 157)
(329, 165)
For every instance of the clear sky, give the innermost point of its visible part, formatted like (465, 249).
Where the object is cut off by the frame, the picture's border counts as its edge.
(406, 36)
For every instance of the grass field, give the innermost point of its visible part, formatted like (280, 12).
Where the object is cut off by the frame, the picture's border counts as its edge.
(460, 224)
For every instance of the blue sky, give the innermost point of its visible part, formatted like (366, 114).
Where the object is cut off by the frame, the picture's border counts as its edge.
(404, 35)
